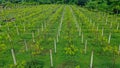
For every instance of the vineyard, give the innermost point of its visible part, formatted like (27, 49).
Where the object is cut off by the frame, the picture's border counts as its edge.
(58, 36)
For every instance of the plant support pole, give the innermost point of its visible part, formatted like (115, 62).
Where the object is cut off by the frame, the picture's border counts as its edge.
(85, 46)
(91, 62)
(51, 59)
(13, 55)
(33, 37)
(55, 45)
(82, 37)
(118, 26)
(80, 31)
(26, 48)
(109, 38)
(102, 31)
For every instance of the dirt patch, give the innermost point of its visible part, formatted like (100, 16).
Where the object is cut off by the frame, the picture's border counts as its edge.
(9, 20)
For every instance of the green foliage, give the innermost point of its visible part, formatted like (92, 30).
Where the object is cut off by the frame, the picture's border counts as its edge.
(109, 50)
(91, 5)
(28, 64)
(2, 47)
(71, 50)
(20, 65)
(36, 49)
(77, 66)
(34, 64)
(105, 5)
(78, 2)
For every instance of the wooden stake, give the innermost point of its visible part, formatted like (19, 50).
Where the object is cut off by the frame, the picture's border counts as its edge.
(13, 55)
(82, 38)
(62, 20)
(26, 48)
(55, 45)
(109, 38)
(118, 26)
(91, 62)
(102, 31)
(17, 30)
(33, 37)
(80, 31)
(85, 46)
(51, 59)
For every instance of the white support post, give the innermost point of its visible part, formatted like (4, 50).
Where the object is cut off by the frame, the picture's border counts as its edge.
(26, 47)
(33, 37)
(91, 61)
(17, 30)
(80, 31)
(82, 39)
(13, 55)
(118, 26)
(109, 38)
(51, 59)
(102, 31)
(55, 45)
(85, 46)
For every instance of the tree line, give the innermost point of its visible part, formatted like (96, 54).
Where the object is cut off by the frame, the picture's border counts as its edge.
(111, 6)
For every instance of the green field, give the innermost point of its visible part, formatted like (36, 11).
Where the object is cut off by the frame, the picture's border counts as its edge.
(73, 35)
